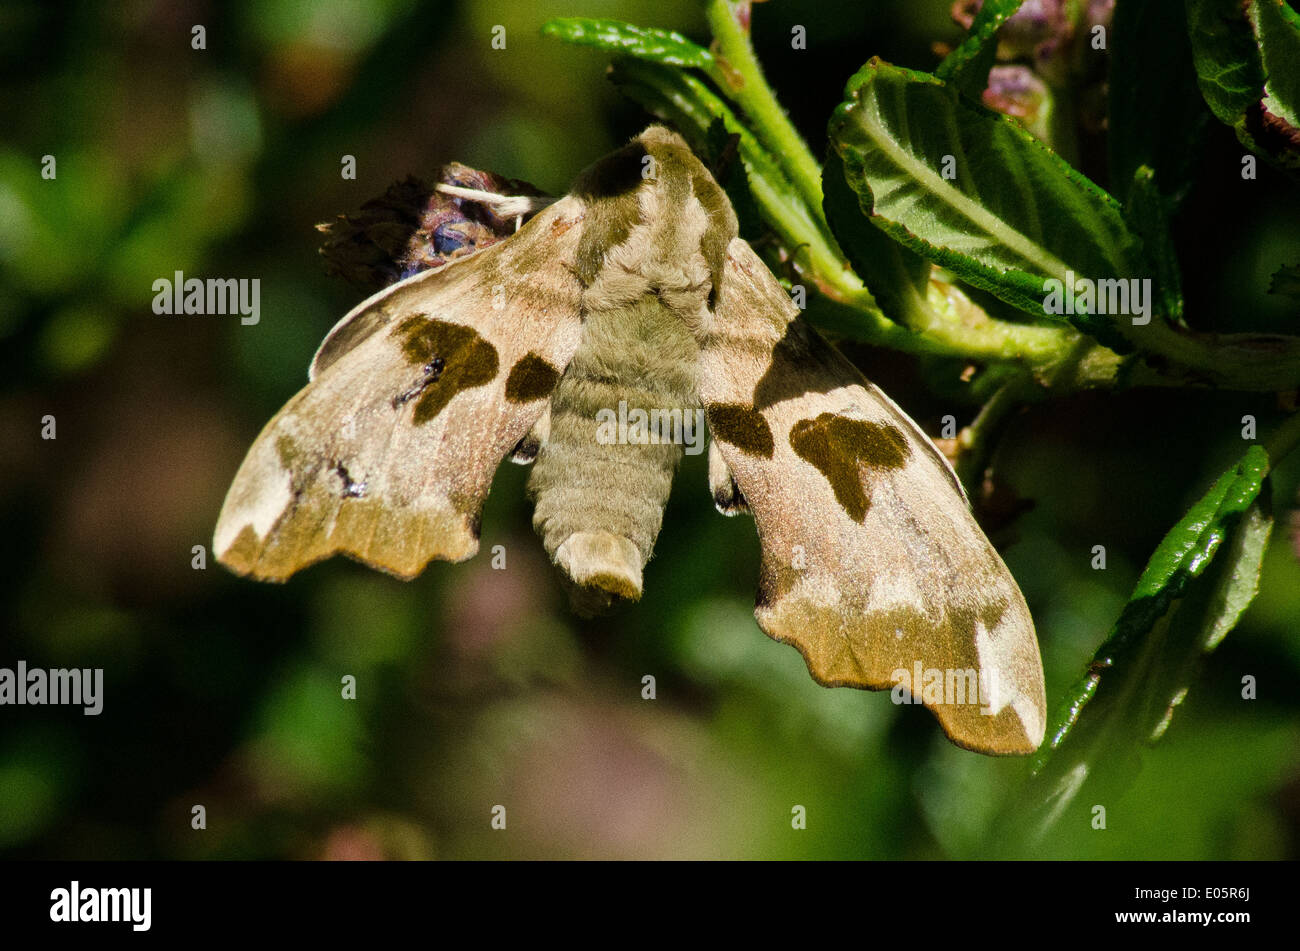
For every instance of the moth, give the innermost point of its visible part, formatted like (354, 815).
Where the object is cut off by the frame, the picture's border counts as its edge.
(636, 287)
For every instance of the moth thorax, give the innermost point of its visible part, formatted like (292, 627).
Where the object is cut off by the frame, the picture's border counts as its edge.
(621, 417)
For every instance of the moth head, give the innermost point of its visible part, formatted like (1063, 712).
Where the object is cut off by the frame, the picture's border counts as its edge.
(416, 226)
(654, 208)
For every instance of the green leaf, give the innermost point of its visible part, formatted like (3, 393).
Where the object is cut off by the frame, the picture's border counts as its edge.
(1187, 549)
(897, 278)
(1195, 588)
(1248, 66)
(1156, 116)
(1277, 30)
(1147, 211)
(1014, 215)
(657, 46)
(1242, 564)
(1228, 66)
(967, 67)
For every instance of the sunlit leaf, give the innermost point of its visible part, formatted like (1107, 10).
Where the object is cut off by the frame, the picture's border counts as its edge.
(1194, 589)
(1277, 30)
(975, 192)
(658, 46)
(1247, 60)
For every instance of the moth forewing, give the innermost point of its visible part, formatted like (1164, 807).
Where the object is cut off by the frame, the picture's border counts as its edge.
(872, 564)
(415, 397)
(635, 291)
(559, 222)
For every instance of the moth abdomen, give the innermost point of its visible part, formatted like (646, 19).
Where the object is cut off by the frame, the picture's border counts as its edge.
(601, 567)
(620, 420)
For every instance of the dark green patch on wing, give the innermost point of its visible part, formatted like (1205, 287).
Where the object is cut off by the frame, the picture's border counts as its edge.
(614, 175)
(839, 446)
(451, 358)
(609, 187)
(743, 427)
(532, 378)
(964, 617)
(722, 228)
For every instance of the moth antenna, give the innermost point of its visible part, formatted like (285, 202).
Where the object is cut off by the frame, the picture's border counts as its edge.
(506, 206)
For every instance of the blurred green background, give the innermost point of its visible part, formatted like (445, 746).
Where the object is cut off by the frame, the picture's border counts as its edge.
(477, 687)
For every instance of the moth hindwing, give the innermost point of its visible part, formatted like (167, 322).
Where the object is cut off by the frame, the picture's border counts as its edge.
(634, 294)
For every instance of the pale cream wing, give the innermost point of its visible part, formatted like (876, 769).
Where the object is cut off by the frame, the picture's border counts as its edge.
(388, 453)
(872, 562)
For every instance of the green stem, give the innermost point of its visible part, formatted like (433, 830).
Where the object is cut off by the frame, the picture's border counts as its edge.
(742, 79)
(957, 326)
(1248, 362)
(976, 441)
(785, 180)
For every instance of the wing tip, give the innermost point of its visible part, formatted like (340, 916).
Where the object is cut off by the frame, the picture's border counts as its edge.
(275, 558)
(994, 726)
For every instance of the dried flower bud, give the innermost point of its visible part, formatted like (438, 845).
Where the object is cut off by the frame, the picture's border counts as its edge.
(1015, 91)
(963, 12)
(413, 226)
(1036, 22)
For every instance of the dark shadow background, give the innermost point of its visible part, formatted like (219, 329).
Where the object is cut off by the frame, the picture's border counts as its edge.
(477, 687)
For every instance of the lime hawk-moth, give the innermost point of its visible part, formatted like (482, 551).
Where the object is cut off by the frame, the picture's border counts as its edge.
(636, 287)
